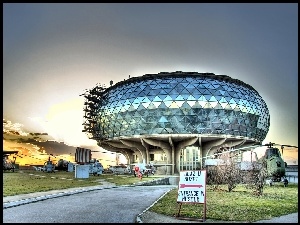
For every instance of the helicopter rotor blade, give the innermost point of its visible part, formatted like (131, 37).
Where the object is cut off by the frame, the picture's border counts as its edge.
(290, 146)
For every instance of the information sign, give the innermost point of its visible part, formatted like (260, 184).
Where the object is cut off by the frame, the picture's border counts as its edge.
(192, 186)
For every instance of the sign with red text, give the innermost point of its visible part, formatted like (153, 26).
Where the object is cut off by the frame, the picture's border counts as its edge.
(192, 186)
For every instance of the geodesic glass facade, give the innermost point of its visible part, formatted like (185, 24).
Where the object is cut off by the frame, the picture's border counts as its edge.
(181, 103)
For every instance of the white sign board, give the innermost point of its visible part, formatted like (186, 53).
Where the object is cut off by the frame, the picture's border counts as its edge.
(192, 186)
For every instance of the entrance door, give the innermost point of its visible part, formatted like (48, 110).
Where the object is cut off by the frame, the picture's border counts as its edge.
(190, 158)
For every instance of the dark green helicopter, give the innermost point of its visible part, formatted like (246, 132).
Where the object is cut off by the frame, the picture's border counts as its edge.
(274, 162)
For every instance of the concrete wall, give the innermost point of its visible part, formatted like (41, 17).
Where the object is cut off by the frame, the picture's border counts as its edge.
(172, 180)
(161, 181)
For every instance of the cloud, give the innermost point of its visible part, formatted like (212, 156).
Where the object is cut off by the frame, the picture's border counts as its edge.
(35, 147)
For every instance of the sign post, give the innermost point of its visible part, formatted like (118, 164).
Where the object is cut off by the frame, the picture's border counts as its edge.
(192, 189)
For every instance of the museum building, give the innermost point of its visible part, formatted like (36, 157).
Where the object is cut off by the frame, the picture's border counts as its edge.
(175, 119)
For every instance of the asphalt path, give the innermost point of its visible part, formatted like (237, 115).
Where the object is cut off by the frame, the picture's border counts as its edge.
(114, 205)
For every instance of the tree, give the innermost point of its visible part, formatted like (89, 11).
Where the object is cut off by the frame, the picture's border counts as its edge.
(261, 178)
(226, 172)
(231, 172)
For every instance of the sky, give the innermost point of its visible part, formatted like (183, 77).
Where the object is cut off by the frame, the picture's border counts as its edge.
(53, 52)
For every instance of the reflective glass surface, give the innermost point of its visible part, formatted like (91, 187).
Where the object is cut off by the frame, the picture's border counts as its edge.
(185, 104)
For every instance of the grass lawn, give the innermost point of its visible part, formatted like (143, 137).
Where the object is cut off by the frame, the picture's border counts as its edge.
(238, 205)
(28, 181)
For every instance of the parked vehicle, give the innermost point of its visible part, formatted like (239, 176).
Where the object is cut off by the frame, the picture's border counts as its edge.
(96, 167)
(120, 169)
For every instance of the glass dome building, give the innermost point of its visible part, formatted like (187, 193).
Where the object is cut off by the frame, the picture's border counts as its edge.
(175, 119)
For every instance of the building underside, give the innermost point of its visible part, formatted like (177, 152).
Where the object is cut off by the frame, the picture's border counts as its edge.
(176, 152)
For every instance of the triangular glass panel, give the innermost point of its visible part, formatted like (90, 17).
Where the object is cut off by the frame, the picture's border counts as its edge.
(146, 104)
(151, 97)
(179, 88)
(152, 93)
(136, 114)
(206, 92)
(223, 100)
(157, 104)
(197, 105)
(167, 98)
(218, 106)
(207, 96)
(185, 96)
(173, 105)
(151, 106)
(212, 99)
(191, 98)
(213, 104)
(163, 91)
(153, 85)
(168, 103)
(202, 103)
(179, 98)
(162, 106)
(179, 103)
(207, 105)
(163, 119)
(162, 96)
(191, 103)
(141, 107)
(228, 98)
(202, 98)
(185, 107)
(224, 105)
(173, 92)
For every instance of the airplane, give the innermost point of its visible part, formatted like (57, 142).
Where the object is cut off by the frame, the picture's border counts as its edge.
(9, 165)
(275, 165)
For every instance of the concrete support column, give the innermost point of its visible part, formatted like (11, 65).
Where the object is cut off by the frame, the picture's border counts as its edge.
(140, 157)
(209, 146)
(146, 146)
(136, 145)
(177, 159)
(164, 146)
(129, 157)
(172, 155)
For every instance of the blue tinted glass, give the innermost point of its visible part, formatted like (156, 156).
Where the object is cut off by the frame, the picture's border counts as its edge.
(182, 105)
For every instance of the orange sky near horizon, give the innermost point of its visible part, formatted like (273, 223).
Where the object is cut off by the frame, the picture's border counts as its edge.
(33, 155)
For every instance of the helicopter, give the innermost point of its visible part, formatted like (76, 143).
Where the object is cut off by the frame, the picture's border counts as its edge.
(275, 164)
(49, 166)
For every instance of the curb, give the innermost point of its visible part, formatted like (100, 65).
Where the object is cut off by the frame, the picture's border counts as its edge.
(50, 196)
(138, 218)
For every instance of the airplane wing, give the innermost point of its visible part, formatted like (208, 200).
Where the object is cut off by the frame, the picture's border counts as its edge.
(7, 152)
